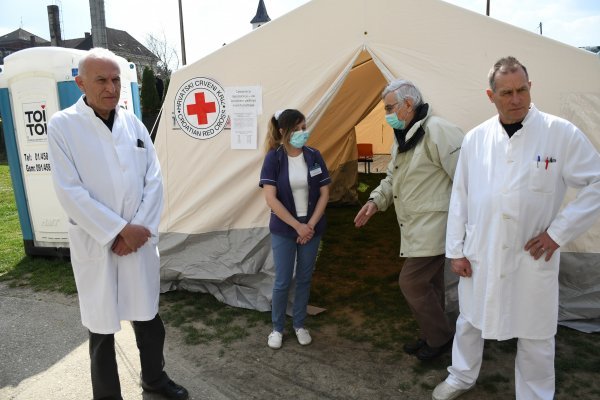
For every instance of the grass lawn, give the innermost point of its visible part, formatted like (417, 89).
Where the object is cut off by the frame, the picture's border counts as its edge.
(11, 241)
(15, 266)
(355, 280)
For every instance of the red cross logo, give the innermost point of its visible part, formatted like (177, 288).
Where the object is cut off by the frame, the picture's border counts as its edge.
(201, 108)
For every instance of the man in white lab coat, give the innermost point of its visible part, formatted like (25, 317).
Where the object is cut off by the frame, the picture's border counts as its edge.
(107, 178)
(505, 229)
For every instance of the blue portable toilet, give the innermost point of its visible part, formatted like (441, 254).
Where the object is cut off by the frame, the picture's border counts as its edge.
(34, 84)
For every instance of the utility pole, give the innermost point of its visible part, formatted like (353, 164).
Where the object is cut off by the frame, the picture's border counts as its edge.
(183, 61)
(487, 9)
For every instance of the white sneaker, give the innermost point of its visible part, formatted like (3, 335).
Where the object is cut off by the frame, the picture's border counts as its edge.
(444, 391)
(303, 336)
(275, 339)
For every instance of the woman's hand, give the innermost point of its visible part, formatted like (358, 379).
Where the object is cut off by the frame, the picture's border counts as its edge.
(305, 233)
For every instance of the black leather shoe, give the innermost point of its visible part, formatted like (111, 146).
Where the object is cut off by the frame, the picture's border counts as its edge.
(170, 390)
(413, 348)
(428, 353)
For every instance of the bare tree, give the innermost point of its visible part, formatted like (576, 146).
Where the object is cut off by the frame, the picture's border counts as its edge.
(168, 60)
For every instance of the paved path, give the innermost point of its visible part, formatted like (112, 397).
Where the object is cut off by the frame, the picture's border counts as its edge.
(44, 352)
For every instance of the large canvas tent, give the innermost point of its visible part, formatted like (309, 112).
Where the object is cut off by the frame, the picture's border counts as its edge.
(331, 59)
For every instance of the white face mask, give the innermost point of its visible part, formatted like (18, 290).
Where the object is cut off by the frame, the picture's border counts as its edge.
(299, 138)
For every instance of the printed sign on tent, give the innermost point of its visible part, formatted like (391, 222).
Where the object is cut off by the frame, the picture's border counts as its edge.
(244, 131)
(245, 104)
(245, 99)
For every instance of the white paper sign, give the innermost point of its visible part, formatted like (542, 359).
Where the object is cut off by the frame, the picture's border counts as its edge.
(244, 131)
(244, 104)
(244, 99)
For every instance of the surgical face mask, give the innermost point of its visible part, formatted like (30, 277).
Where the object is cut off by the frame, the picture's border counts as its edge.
(299, 139)
(394, 122)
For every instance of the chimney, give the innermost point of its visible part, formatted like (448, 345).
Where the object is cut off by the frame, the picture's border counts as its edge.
(99, 38)
(54, 24)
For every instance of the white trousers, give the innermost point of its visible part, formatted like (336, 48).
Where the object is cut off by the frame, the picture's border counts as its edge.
(534, 363)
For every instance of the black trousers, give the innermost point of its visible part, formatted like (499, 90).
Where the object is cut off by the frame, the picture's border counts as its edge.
(150, 339)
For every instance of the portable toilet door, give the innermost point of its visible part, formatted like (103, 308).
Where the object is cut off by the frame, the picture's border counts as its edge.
(36, 83)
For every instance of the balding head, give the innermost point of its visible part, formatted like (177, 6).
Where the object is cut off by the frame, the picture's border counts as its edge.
(99, 79)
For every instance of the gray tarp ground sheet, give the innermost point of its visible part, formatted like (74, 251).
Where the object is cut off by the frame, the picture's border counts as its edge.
(240, 273)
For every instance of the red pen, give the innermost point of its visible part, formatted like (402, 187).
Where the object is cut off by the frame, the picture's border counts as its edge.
(546, 162)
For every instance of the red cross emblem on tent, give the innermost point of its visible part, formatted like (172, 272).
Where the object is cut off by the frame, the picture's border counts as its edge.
(201, 108)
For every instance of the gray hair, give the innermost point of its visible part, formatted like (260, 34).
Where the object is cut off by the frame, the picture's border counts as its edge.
(404, 90)
(97, 53)
(505, 65)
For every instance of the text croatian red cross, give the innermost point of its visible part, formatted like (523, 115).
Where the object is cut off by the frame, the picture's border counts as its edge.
(201, 108)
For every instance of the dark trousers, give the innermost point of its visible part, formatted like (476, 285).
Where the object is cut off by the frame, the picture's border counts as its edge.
(422, 283)
(150, 338)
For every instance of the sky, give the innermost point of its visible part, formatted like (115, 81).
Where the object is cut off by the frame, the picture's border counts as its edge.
(211, 23)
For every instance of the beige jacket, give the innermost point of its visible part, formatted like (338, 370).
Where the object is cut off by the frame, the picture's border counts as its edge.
(419, 183)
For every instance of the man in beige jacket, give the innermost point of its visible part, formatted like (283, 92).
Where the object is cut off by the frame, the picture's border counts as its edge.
(418, 184)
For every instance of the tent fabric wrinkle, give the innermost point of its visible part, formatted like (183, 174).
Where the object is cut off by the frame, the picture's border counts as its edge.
(229, 264)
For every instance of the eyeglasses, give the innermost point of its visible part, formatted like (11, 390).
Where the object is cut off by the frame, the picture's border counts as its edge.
(390, 107)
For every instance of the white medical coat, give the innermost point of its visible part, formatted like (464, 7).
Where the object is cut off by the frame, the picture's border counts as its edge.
(105, 180)
(502, 197)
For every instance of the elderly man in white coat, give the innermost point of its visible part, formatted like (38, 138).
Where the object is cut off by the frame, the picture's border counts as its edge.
(107, 178)
(505, 228)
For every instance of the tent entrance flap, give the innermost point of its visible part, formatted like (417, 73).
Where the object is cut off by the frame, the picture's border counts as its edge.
(335, 132)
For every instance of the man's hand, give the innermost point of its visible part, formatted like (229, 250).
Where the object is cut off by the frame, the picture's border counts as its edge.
(365, 213)
(135, 236)
(461, 267)
(120, 248)
(541, 244)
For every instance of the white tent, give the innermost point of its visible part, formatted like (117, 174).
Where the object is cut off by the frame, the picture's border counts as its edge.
(331, 59)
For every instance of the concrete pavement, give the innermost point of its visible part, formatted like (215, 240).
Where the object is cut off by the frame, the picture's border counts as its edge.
(44, 352)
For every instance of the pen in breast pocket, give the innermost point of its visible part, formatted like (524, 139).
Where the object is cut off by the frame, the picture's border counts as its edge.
(550, 160)
(538, 162)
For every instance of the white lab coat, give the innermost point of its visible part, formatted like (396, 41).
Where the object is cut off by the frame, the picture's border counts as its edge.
(105, 180)
(501, 198)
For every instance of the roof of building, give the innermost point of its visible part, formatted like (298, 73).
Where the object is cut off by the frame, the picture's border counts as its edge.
(119, 40)
(84, 43)
(21, 34)
(261, 14)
